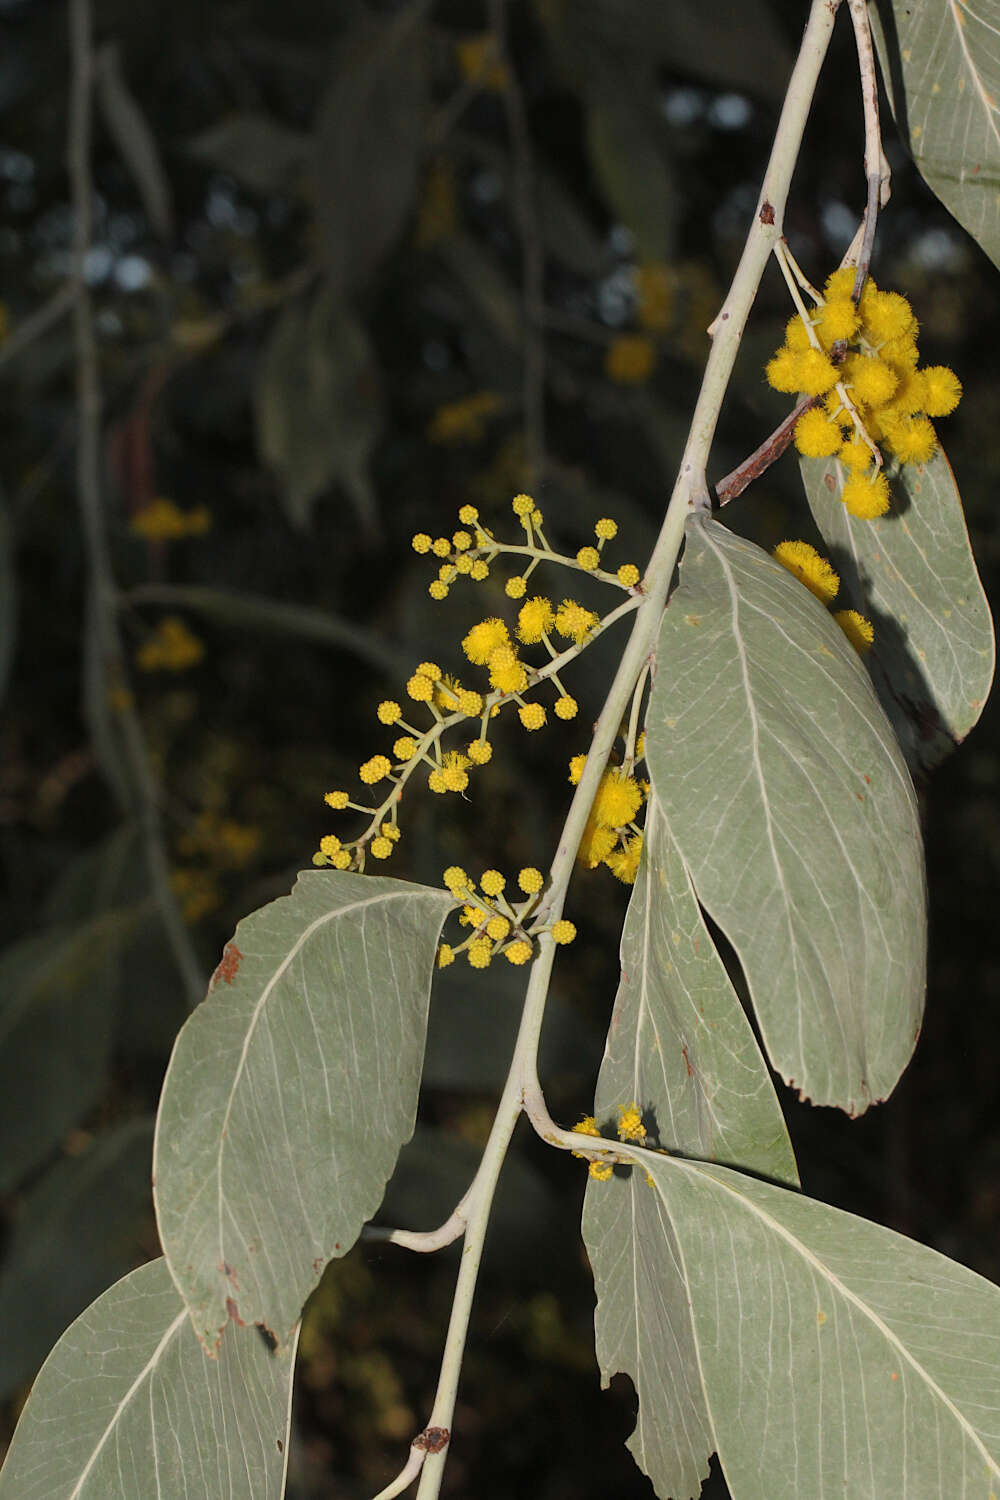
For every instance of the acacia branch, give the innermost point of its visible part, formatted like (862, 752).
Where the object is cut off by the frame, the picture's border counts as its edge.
(877, 175)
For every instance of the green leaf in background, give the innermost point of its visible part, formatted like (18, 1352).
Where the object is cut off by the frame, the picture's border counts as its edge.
(129, 129)
(57, 1018)
(912, 573)
(257, 613)
(77, 1231)
(839, 1359)
(789, 799)
(368, 145)
(259, 152)
(127, 1406)
(632, 168)
(941, 67)
(318, 406)
(681, 1047)
(289, 1093)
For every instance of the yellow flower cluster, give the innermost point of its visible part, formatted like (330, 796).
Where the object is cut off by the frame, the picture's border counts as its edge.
(563, 629)
(630, 1127)
(163, 521)
(496, 924)
(171, 648)
(611, 836)
(860, 363)
(819, 577)
(470, 551)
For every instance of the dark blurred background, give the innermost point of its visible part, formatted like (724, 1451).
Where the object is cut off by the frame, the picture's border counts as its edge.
(353, 266)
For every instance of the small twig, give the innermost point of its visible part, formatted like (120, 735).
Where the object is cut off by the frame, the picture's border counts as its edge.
(406, 1476)
(877, 175)
(103, 603)
(761, 459)
(532, 254)
(39, 322)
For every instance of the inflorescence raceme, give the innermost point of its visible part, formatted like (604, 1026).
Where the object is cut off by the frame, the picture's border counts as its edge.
(563, 630)
(630, 1127)
(858, 361)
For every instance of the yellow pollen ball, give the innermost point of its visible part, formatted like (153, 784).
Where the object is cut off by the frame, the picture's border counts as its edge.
(782, 372)
(483, 639)
(479, 953)
(438, 590)
(530, 880)
(522, 505)
(390, 831)
(618, 799)
(430, 669)
(420, 688)
(381, 848)
(342, 860)
(841, 283)
(492, 882)
(866, 496)
(480, 751)
(405, 748)
(601, 1171)
(436, 782)
(461, 541)
(389, 712)
(337, 800)
(837, 319)
(515, 587)
(518, 952)
(329, 844)
(534, 620)
(871, 380)
(857, 629)
(816, 436)
(816, 374)
(566, 707)
(797, 335)
(589, 558)
(576, 766)
(480, 570)
(497, 928)
(942, 390)
(463, 565)
(624, 863)
(630, 1126)
(628, 575)
(469, 702)
(441, 546)
(532, 715)
(446, 955)
(421, 542)
(606, 529)
(563, 932)
(806, 564)
(574, 622)
(468, 515)
(376, 769)
(912, 439)
(455, 879)
(855, 454)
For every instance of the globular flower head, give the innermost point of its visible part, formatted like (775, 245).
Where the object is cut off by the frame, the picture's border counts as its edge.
(479, 752)
(872, 382)
(337, 800)
(376, 769)
(563, 932)
(596, 844)
(855, 454)
(456, 879)
(480, 570)
(566, 707)
(866, 495)
(628, 575)
(522, 505)
(532, 715)
(589, 558)
(507, 673)
(841, 283)
(623, 861)
(421, 542)
(446, 955)
(437, 590)
(806, 564)
(618, 799)
(453, 771)
(516, 587)
(816, 374)
(405, 748)
(943, 390)
(857, 629)
(517, 952)
(912, 439)
(420, 688)
(606, 529)
(782, 371)
(483, 639)
(492, 882)
(381, 847)
(468, 515)
(796, 335)
(837, 319)
(479, 953)
(576, 766)
(534, 620)
(816, 436)
(497, 928)
(630, 1126)
(573, 622)
(885, 315)
(601, 1171)
(389, 712)
(530, 880)
(329, 845)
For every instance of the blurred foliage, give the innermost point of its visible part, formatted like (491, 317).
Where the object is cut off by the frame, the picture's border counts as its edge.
(314, 230)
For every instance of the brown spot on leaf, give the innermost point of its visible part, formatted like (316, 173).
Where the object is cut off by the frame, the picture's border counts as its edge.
(830, 482)
(687, 1062)
(227, 966)
(234, 1312)
(269, 1338)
